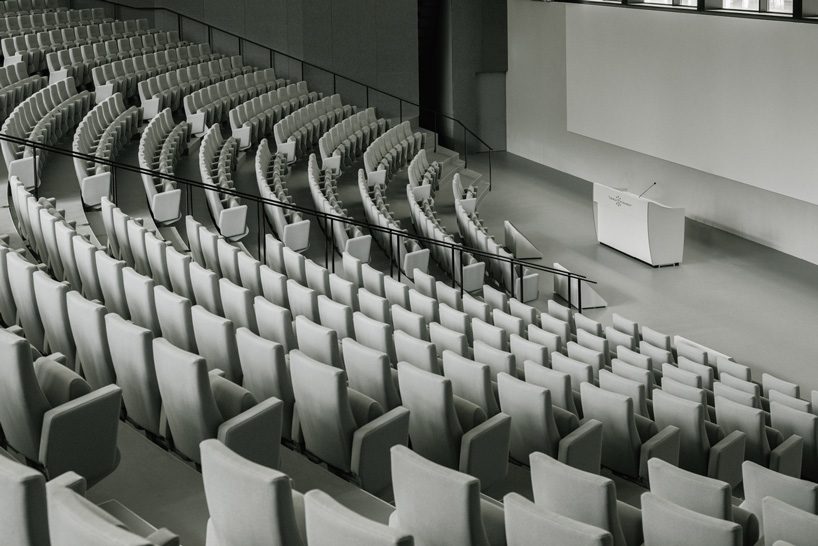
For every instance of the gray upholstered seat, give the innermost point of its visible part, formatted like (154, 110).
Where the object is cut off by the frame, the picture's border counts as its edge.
(249, 504)
(760, 482)
(87, 320)
(764, 445)
(23, 508)
(413, 324)
(275, 323)
(559, 383)
(266, 374)
(200, 406)
(528, 525)
(321, 344)
(374, 334)
(668, 524)
(444, 338)
(336, 316)
(329, 523)
(450, 431)
(50, 415)
(417, 352)
(437, 505)
(471, 381)
(175, 319)
(704, 449)
(343, 427)
(789, 421)
(216, 342)
(537, 426)
(785, 522)
(237, 304)
(303, 301)
(205, 286)
(490, 334)
(498, 361)
(140, 300)
(629, 440)
(51, 304)
(703, 495)
(369, 373)
(524, 349)
(21, 279)
(584, 497)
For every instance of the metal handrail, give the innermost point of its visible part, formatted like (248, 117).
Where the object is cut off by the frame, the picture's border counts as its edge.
(259, 201)
(242, 40)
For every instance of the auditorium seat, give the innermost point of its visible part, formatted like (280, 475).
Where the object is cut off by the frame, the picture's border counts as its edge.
(51, 303)
(537, 426)
(668, 524)
(760, 483)
(417, 352)
(438, 505)
(793, 422)
(370, 373)
(629, 440)
(344, 428)
(24, 515)
(472, 381)
(216, 342)
(249, 503)
(706, 496)
(320, 343)
(527, 524)
(52, 418)
(584, 497)
(450, 431)
(329, 522)
(785, 522)
(275, 323)
(200, 406)
(87, 320)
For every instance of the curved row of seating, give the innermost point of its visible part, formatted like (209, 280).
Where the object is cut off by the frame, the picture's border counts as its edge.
(422, 172)
(44, 117)
(103, 133)
(212, 104)
(271, 175)
(523, 282)
(467, 271)
(391, 151)
(26, 23)
(15, 86)
(124, 75)
(298, 132)
(11, 7)
(348, 139)
(162, 144)
(324, 190)
(407, 253)
(79, 61)
(217, 162)
(254, 120)
(168, 89)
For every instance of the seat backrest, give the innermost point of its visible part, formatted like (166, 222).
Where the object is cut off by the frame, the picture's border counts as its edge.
(433, 424)
(471, 381)
(216, 342)
(558, 383)
(444, 339)
(140, 300)
(111, 283)
(788, 421)
(370, 373)
(374, 334)
(413, 324)
(303, 300)
(489, 334)
(321, 343)
(497, 360)
(324, 412)
(732, 416)
(667, 523)
(23, 509)
(527, 523)
(620, 440)
(688, 417)
(575, 494)
(132, 358)
(72, 519)
(175, 320)
(187, 397)
(266, 516)
(760, 482)
(622, 385)
(53, 310)
(87, 320)
(690, 490)
(237, 304)
(533, 428)
(275, 323)
(336, 316)
(783, 522)
(417, 352)
(21, 279)
(205, 286)
(770, 382)
(329, 522)
(435, 504)
(524, 349)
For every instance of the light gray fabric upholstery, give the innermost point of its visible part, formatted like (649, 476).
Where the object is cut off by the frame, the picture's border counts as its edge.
(374, 334)
(558, 383)
(23, 509)
(275, 323)
(51, 304)
(330, 523)
(140, 300)
(321, 343)
(369, 372)
(216, 342)
(785, 522)
(471, 381)
(237, 304)
(413, 324)
(528, 525)
(791, 421)
(444, 339)
(336, 316)
(303, 300)
(760, 482)
(205, 285)
(667, 524)
(417, 352)
(87, 320)
(497, 360)
(175, 319)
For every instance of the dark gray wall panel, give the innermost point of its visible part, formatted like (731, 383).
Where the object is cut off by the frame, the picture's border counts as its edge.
(228, 14)
(317, 38)
(396, 47)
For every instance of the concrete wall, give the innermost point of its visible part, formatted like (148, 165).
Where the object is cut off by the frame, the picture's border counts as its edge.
(536, 110)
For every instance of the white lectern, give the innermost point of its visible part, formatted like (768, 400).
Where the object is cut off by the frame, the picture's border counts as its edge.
(639, 227)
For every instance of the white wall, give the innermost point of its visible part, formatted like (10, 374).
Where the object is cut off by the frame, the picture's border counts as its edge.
(537, 118)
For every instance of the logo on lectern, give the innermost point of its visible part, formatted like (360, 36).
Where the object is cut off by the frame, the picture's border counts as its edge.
(618, 201)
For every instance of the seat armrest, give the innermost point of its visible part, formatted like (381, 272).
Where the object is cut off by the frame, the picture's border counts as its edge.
(231, 399)
(370, 448)
(59, 383)
(163, 537)
(81, 435)
(256, 433)
(630, 519)
(645, 427)
(786, 457)
(70, 480)
(566, 421)
(469, 414)
(484, 450)
(582, 448)
(663, 445)
(364, 409)
(726, 457)
(749, 525)
(493, 520)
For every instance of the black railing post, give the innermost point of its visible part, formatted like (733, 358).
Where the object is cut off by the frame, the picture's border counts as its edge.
(437, 133)
(399, 254)
(367, 96)
(465, 148)
(241, 49)
(454, 280)
(579, 295)
(461, 272)
(512, 280)
(113, 183)
(260, 211)
(36, 175)
(210, 37)
(570, 303)
(332, 242)
(400, 106)
(334, 83)
(490, 152)
(272, 61)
